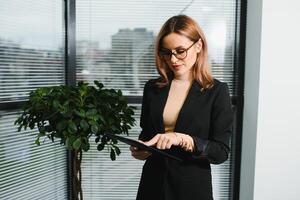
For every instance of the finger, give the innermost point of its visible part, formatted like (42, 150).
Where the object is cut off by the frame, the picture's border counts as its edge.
(138, 153)
(185, 144)
(141, 155)
(159, 142)
(153, 141)
(169, 144)
(187, 147)
(164, 143)
(133, 148)
(190, 149)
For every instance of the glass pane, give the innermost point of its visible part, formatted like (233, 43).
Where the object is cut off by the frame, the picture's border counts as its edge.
(103, 178)
(31, 56)
(115, 39)
(31, 47)
(28, 171)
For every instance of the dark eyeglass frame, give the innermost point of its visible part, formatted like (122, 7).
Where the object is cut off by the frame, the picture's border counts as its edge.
(167, 54)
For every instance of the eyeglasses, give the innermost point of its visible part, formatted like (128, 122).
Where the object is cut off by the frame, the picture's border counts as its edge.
(179, 53)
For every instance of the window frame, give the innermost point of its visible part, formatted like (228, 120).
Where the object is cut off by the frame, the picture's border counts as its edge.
(237, 98)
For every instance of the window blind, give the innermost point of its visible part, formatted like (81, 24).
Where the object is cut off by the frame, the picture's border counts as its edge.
(103, 178)
(115, 39)
(31, 51)
(28, 171)
(31, 56)
(115, 45)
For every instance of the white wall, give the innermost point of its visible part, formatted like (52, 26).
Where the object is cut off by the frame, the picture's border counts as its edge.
(270, 168)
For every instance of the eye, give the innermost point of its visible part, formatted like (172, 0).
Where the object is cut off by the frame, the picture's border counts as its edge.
(180, 51)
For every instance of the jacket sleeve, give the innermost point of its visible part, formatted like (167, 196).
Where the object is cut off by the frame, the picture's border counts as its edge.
(144, 113)
(216, 148)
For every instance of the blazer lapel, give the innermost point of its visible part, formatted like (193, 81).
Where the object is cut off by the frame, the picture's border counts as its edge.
(157, 105)
(187, 107)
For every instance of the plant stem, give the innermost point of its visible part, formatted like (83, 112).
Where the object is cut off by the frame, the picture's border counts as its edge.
(79, 170)
(77, 189)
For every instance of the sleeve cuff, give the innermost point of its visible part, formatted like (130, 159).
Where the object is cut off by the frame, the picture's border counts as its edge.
(200, 146)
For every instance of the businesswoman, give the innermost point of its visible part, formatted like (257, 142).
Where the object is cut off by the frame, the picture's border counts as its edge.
(186, 112)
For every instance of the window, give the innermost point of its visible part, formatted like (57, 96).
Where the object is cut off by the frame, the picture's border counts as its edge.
(31, 50)
(24, 165)
(31, 56)
(115, 44)
(103, 178)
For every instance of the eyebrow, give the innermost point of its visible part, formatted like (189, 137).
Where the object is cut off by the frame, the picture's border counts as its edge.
(174, 48)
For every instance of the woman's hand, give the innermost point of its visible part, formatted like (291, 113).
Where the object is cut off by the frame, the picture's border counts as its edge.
(139, 154)
(187, 142)
(164, 141)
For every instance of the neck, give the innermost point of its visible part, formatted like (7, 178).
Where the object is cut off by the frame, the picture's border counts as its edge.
(184, 78)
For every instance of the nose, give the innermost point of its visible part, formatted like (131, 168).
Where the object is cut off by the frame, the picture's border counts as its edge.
(173, 59)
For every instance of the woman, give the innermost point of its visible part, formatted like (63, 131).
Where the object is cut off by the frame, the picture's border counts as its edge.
(186, 112)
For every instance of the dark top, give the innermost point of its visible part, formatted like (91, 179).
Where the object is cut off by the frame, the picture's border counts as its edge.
(207, 117)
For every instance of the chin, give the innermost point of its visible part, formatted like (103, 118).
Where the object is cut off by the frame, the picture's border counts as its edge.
(180, 72)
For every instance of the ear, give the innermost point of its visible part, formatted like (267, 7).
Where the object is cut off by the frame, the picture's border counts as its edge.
(199, 45)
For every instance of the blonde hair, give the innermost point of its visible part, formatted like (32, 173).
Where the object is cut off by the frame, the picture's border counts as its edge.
(184, 25)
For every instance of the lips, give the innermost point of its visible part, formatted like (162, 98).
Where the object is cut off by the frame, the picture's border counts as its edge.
(176, 66)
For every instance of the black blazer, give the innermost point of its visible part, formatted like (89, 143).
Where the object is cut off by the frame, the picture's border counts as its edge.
(207, 117)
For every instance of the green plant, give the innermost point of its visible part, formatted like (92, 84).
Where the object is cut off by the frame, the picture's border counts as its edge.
(74, 114)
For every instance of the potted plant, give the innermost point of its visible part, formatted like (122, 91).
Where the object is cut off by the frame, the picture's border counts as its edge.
(75, 113)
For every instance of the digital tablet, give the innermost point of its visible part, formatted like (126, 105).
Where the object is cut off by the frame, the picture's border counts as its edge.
(142, 146)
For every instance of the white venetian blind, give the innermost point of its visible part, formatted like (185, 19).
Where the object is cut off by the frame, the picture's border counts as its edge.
(31, 56)
(31, 47)
(115, 38)
(28, 171)
(103, 178)
(115, 44)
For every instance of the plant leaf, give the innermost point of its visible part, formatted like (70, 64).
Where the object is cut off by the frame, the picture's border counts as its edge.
(84, 125)
(31, 125)
(80, 113)
(112, 154)
(99, 85)
(97, 139)
(77, 143)
(90, 113)
(100, 146)
(61, 125)
(37, 141)
(94, 129)
(85, 146)
(72, 128)
(56, 104)
(117, 149)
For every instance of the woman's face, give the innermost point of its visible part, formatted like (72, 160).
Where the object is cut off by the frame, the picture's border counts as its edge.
(177, 44)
